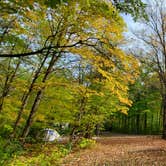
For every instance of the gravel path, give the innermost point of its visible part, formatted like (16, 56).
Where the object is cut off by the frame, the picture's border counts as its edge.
(121, 151)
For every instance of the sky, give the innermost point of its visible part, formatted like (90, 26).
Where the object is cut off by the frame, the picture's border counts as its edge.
(128, 35)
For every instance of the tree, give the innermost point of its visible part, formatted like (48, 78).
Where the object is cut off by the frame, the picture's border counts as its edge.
(144, 116)
(134, 7)
(14, 14)
(91, 31)
(154, 36)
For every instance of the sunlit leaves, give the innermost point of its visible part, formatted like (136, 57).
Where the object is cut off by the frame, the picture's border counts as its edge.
(90, 31)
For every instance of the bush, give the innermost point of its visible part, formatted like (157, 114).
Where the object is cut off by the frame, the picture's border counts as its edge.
(86, 143)
(6, 130)
(8, 149)
(47, 157)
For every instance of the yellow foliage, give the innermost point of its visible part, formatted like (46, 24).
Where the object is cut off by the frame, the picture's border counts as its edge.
(125, 101)
(124, 110)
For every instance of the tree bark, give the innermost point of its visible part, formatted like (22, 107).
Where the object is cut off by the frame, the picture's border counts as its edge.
(137, 123)
(8, 82)
(151, 129)
(32, 113)
(145, 123)
(164, 117)
(27, 95)
(38, 99)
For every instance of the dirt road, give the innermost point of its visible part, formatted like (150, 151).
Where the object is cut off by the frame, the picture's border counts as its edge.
(121, 151)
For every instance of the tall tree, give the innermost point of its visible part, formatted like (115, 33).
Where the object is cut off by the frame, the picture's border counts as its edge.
(14, 13)
(11, 73)
(154, 36)
(74, 30)
(91, 30)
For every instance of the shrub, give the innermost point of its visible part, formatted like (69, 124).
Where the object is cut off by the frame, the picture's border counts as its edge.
(47, 157)
(86, 143)
(6, 130)
(8, 149)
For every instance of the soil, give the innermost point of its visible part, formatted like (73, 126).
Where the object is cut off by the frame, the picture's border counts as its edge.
(121, 151)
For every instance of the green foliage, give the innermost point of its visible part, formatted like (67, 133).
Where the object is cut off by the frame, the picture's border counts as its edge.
(86, 143)
(9, 149)
(54, 3)
(51, 156)
(6, 130)
(144, 116)
(97, 28)
(134, 7)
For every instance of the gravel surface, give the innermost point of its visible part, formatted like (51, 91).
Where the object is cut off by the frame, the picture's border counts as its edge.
(121, 151)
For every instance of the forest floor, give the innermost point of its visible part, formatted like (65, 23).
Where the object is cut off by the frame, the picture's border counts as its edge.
(121, 151)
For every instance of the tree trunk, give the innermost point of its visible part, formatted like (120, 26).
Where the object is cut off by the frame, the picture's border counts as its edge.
(32, 113)
(8, 82)
(151, 129)
(164, 117)
(27, 95)
(38, 98)
(97, 130)
(145, 123)
(137, 124)
(125, 124)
